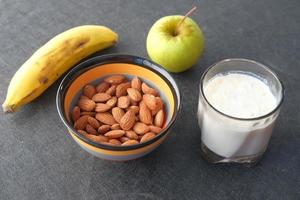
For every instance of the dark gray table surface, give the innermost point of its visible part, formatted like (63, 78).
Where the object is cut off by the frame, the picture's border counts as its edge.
(39, 160)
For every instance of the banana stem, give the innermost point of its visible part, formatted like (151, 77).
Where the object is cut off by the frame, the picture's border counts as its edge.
(190, 12)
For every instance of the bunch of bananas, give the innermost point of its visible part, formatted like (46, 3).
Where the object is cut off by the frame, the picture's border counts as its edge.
(54, 58)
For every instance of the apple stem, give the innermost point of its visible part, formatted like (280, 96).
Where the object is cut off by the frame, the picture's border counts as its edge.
(184, 17)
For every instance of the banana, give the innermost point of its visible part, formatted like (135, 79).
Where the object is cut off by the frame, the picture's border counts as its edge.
(54, 58)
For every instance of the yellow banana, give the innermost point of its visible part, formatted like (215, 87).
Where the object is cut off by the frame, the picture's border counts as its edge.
(54, 58)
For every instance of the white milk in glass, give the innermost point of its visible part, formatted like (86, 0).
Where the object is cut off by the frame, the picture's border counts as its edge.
(239, 96)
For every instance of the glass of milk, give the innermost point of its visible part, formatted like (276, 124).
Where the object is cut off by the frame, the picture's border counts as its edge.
(239, 102)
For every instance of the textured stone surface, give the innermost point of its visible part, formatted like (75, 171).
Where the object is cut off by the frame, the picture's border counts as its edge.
(38, 160)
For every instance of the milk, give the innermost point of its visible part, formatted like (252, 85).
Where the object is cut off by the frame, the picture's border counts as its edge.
(238, 95)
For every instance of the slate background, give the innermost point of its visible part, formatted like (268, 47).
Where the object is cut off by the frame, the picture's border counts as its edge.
(38, 160)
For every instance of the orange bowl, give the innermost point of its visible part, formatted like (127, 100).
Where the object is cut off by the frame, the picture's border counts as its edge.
(93, 71)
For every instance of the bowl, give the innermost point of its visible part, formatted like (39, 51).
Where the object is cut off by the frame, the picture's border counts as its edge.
(94, 71)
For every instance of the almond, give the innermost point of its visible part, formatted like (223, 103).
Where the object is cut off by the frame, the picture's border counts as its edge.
(160, 105)
(145, 114)
(102, 107)
(141, 128)
(128, 120)
(159, 118)
(112, 90)
(103, 129)
(88, 113)
(121, 89)
(112, 102)
(81, 123)
(130, 142)
(115, 79)
(115, 142)
(134, 94)
(124, 139)
(101, 97)
(131, 135)
(91, 130)
(107, 143)
(135, 109)
(93, 122)
(86, 104)
(115, 127)
(97, 138)
(150, 101)
(148, 90)
(123, 102)
(82, 132)
(102, 87)
(133, 103)
(148, 136)
(117, 113)
(136, 83)
(89, 91)
(115, 134)
(83, 97)
(75, 113)
(105, 118)
(155, 129)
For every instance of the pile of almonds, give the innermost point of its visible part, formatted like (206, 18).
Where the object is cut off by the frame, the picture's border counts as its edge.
(119, 112)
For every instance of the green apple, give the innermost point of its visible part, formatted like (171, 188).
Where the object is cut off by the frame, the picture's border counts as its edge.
(176, 48)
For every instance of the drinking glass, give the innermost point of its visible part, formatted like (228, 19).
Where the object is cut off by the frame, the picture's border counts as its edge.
(229, 139)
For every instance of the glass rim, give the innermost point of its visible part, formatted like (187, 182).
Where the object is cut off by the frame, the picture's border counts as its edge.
(249, 61)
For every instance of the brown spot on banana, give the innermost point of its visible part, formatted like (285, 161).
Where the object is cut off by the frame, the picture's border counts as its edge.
(81, 43)
(66, 42)
(43, 80)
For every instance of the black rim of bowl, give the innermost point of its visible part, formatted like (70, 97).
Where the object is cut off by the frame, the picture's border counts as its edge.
(116, 58)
